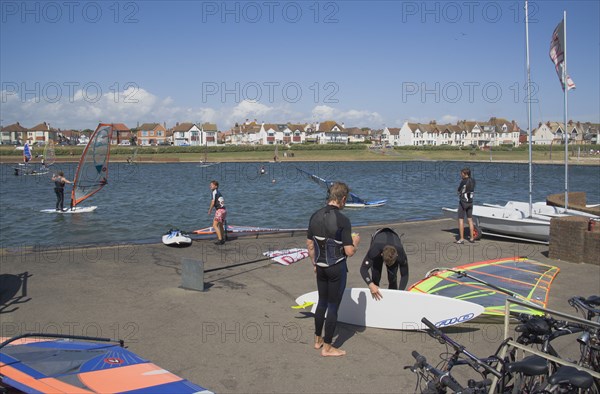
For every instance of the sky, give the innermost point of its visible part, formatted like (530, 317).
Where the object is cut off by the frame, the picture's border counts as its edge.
(361, 63)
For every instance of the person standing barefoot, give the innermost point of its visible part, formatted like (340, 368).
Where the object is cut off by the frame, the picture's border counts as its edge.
(330, 242)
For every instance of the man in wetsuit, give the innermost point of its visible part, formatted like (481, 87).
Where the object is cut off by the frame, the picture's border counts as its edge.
(330, 242)
(386, 247)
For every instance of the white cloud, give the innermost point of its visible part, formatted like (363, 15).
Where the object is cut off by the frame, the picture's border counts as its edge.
(324, 112)
(135, 105)
(249, 110)
(448, 119)
(352, 117)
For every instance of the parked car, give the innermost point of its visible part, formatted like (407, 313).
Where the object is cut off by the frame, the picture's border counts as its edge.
(125, 143)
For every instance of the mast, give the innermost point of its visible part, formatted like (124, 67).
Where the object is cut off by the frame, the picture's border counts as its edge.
(529, 131)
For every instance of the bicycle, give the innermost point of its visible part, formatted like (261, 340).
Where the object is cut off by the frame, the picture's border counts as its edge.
(529, 375)
(589, 340)
(435, 380)
(540, 331)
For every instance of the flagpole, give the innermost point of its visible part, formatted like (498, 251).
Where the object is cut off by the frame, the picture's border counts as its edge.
(566, 93)
(528, 107)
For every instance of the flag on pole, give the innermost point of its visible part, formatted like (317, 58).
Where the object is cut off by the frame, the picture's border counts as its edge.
(557, 54)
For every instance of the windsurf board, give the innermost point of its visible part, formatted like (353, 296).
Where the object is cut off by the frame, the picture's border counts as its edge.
(398, 309)
(176, 237)
(366, 204)
(71, 210)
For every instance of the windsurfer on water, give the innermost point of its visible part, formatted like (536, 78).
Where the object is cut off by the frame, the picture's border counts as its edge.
(59, 188)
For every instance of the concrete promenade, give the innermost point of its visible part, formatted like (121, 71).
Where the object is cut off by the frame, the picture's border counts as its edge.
(240, 335)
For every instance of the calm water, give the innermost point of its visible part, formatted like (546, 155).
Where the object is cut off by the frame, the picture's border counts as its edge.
(142, 201)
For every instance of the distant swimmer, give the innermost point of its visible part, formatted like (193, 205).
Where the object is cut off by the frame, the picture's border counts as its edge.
(262, 170)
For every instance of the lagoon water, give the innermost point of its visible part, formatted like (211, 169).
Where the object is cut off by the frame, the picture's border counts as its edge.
(142, 201)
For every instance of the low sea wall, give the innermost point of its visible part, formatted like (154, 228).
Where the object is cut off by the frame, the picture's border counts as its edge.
(575, 239)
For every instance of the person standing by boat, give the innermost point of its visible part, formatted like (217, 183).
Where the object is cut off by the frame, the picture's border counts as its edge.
(217, 202)
(466, 190)
(386, 247)
(59, 188)
(330, 242)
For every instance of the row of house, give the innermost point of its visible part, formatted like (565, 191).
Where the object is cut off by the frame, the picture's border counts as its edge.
(184, 134)
(553, 132)
(494, 132)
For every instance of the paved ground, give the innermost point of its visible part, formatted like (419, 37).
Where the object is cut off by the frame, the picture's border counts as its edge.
(240, 335)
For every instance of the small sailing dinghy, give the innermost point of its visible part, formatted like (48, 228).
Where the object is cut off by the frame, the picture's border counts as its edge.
(92, 172)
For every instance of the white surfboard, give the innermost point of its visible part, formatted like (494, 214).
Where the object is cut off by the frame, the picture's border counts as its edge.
(176, 237)
(398, 309)
(69, 210)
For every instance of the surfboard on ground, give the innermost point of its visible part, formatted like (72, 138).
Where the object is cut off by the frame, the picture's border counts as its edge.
(71, 210)
(176, 237)
(398, 309)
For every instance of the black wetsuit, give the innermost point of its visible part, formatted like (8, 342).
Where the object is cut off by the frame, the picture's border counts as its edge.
(466, 190)
(59, 189)
(330, 231)
(374, 260)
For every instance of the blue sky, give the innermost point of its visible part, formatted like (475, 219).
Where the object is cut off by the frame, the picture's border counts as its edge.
(361, 63)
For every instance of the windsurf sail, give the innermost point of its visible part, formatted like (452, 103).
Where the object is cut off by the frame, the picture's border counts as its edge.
(49, 155)
(76, 364)
(26, 153)
(489, 283)
(352, 201)
(92, 171)
(287, 256)
(133, 157)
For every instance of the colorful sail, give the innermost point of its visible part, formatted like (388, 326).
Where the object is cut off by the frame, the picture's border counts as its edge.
(92, 171)
(242, 231)
(489, 283)
(49, 155)
(26, 152)
(287, 256)
(83, 365)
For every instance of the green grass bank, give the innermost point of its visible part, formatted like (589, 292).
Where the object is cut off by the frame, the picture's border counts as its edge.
(357, 152)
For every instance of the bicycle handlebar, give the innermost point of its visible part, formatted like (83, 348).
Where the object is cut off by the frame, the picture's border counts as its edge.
(586, 304)
(443, 338)
(442, 377)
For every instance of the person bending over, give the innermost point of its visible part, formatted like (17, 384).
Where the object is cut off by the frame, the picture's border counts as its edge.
(386, 248)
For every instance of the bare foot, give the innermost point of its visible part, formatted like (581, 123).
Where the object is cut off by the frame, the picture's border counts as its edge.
(330, 351)
(318, 342)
